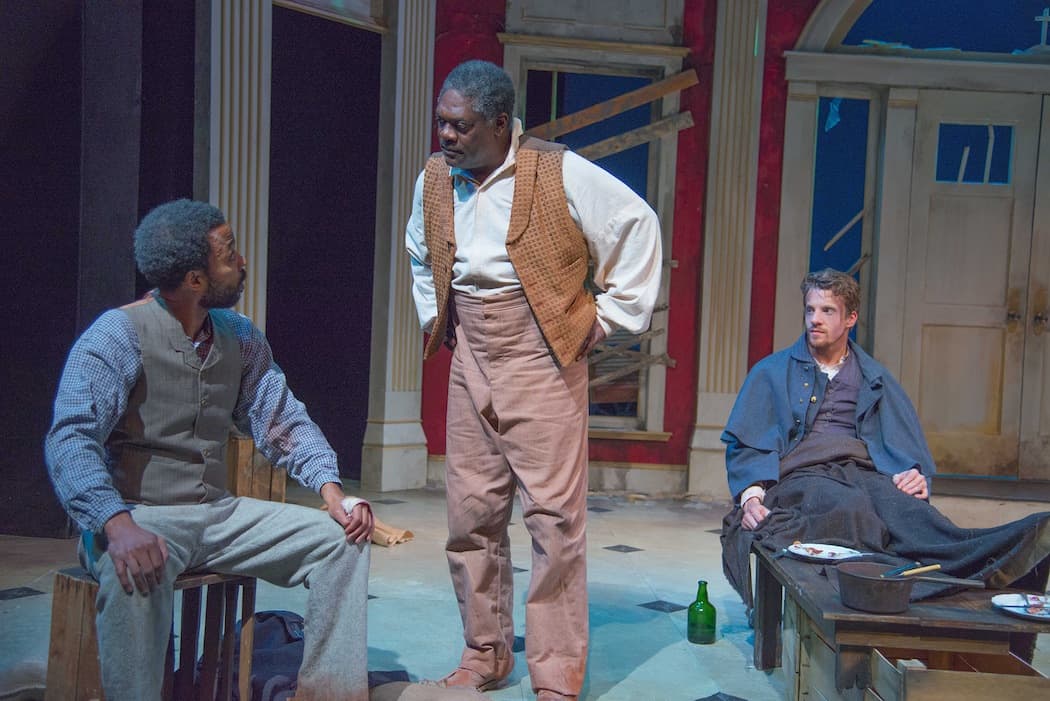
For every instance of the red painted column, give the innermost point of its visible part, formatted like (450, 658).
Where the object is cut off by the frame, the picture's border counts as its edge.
(785, 20)
(465, 30)
(698, 33)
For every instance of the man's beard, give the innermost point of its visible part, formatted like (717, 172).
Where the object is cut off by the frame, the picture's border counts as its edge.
(222, 296)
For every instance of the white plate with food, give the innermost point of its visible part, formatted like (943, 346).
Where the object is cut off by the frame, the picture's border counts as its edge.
(821, 552)
(1035, 606)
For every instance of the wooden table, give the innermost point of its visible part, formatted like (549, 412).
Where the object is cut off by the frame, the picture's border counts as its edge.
(965, 622)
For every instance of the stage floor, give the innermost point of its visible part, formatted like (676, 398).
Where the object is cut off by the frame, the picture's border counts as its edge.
(644, 558)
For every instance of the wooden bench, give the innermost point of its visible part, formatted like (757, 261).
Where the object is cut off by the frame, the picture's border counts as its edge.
(830, 650)
(73, 670)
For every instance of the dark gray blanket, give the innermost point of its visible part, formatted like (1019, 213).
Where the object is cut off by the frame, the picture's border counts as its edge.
(845, 504)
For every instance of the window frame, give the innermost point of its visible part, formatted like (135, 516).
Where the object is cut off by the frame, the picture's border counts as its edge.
(524, 53)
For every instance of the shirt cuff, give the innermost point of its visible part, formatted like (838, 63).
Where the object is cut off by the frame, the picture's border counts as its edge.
(97, 520)
(607, 327)
(754, 490)
(320, 478)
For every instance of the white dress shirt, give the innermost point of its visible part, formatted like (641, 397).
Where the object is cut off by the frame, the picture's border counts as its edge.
(621, 230)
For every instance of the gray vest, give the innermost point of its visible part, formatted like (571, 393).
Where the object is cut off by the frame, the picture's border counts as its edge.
(170, 445)
(838, 409)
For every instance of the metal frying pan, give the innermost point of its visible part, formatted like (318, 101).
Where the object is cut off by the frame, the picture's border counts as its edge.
(862, 587)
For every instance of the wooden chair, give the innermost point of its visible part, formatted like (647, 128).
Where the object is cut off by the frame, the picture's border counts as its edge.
(249, 474)
(73, 671)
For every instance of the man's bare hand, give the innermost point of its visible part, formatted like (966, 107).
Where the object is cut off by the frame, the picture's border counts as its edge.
(754, 514)
(360, 523)
(596, 336)
(138, 555)
(912, 482)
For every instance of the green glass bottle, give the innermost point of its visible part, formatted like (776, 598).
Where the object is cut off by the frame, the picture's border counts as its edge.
(701, 625)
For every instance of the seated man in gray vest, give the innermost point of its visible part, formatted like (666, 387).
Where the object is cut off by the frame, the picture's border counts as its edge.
(144, 409)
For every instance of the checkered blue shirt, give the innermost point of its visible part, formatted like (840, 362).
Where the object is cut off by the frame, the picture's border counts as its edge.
(101, 370)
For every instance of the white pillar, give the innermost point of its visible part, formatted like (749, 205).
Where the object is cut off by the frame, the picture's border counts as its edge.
(894, 211)
(728, 234)
(796, 209)
(239, 135)
(394, 455)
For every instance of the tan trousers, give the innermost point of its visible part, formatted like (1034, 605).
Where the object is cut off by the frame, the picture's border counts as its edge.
(516, 421)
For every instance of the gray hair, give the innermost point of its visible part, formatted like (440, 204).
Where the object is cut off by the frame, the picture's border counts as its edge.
(172, 240)
(838, 283)
(487, 86)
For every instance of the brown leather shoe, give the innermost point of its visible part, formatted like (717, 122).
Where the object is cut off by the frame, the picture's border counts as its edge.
(462, 678)
(548, 695)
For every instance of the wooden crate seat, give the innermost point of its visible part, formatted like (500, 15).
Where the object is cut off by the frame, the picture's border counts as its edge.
(73, 671)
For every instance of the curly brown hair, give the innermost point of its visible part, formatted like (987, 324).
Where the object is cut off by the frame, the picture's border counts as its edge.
(838, 283)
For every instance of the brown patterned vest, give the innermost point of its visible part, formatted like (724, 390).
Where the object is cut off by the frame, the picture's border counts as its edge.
(545, 246)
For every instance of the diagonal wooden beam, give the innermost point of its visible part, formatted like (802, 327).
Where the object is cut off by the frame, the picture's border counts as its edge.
(609, 348)
(641, 135)
(634, 366)
(618, 104)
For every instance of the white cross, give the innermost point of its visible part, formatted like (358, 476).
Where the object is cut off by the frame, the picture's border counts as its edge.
(1044, 19)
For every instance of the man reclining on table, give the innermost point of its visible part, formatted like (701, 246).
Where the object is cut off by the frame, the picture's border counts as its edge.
(823, 445)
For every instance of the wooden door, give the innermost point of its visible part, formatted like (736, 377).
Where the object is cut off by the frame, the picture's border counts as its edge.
(967, 289)
(1034, 456)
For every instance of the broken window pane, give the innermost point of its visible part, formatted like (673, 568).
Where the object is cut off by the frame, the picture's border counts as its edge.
(974, 153)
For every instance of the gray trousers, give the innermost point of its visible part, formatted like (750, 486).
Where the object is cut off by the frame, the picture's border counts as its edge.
(283, 544)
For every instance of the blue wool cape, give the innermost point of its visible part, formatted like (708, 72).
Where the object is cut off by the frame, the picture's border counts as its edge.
(778, 403)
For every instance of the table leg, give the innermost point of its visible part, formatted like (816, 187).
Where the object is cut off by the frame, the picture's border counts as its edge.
(1023, 645)
(769, 601)
(852, 667)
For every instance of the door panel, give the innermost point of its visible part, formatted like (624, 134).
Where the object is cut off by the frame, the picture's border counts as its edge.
(967, 264)
(970, 238)
(1035, 411)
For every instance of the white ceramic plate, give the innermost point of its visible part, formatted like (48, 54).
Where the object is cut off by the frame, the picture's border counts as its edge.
(821, 552)
(1032, 606)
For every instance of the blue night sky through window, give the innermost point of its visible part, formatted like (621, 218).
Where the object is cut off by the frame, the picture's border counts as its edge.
(572, 92)
(838, 187)
(998, 26)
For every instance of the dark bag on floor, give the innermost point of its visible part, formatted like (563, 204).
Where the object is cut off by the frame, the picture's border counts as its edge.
(276, 656)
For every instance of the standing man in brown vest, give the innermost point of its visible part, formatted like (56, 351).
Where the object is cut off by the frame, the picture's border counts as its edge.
(503, 231)
(136, 453)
